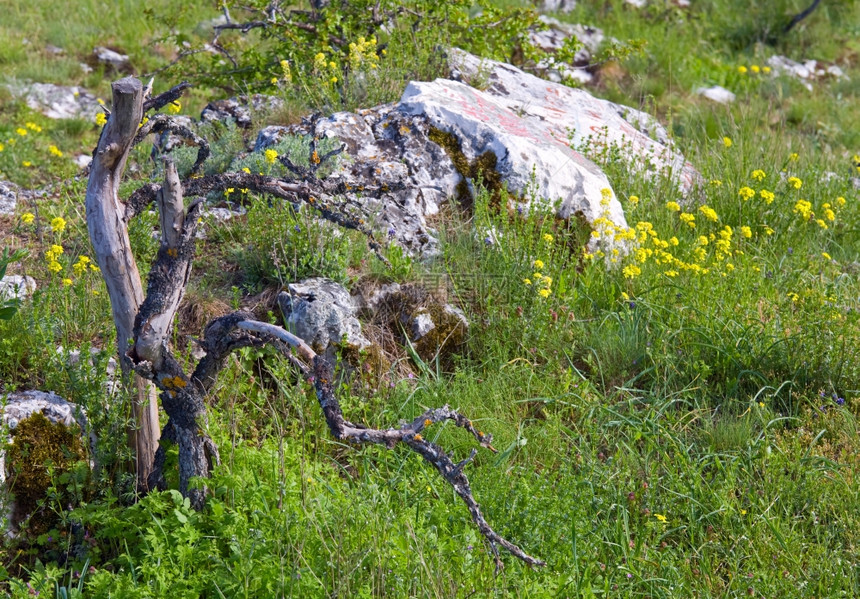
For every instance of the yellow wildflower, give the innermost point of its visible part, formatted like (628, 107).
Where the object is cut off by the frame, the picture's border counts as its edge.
(709, 212)
(55, 151)
(820, 222)
(703, 240)
(742, 70)
(547, 237)
(765, 70)
(271, 156)
(794, 181)
(689, 219)
(527, 281)
(767, 230)
(58, 225)
(33, 127)
(793, 156)
(755, 68)
(285, 68)
(634, 200)
(826, 256)
(246, 170)
(746, 192)
(767, 196)
(673, 206)
(758, 175)
(804, 209)
(538, 264)
(67, 282)
(27, 218)
(727, 141)
(544, 293)
(2, 147)
(660, 517)
(26, 163)
(21, 131)
(631, 271)
(101, 119)
(746, 231)
(716, 182)
(840, 201)
(174, 107)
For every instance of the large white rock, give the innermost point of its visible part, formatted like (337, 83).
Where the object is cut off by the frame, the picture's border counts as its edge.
(565, 115)
(535, 162)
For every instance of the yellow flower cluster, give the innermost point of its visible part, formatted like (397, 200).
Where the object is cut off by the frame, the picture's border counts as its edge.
(174, 107)
(271, 156)
(80, 267)
(51, 258)
(101, 119)
(54, 150)
(364, 50)
(286, 71)
(27, 218)
(709, 212)
(746, 193)
(543, 280)
(754, 69)
(58, 225)
(759, 175)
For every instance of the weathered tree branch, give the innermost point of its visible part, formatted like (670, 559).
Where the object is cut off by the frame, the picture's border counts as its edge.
(109, 237)
(409, 434)
(800, 16)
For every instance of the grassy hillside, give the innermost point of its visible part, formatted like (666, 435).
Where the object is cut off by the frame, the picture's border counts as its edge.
(681, 424)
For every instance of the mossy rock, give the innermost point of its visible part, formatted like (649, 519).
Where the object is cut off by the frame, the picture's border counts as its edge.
(445, 339)
(38, 450)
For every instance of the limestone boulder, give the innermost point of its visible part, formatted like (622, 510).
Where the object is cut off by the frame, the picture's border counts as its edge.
(54, 431)
(240, 110)
(322, 313)
(16, 287)
(58, 101)
(8, 197)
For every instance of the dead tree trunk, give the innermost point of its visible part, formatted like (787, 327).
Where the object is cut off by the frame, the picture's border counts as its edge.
(109, 237)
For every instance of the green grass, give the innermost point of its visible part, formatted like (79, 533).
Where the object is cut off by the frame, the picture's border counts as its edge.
(666, 432)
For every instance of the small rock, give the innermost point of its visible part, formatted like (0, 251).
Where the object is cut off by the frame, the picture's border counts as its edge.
(111, 58)
(55, 50)
(240, 110)
(422, 324)
(270, 136)
(717, 94)
(17, 287)
(8, 197)
(83, 160)
(557, 5)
